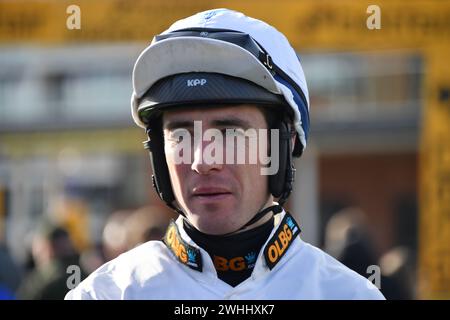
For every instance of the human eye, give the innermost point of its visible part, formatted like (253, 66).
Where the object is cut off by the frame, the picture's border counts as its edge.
(233, 131)
(177, 135)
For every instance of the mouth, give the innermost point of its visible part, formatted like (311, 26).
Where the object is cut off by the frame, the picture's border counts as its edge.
(211, 194)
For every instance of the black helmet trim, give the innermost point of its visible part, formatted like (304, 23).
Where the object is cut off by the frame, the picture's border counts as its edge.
(201, 88)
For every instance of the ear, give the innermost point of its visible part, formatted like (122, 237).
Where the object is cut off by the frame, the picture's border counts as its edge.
(293, 136)
(293, 141)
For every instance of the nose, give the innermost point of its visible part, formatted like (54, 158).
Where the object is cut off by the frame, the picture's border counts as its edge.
(207, 157)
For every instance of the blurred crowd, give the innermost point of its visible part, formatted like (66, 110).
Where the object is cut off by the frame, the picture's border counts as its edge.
(45, 273)
(52, 251)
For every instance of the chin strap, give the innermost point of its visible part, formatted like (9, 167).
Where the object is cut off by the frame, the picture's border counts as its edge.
(275, 208)
(176, 209)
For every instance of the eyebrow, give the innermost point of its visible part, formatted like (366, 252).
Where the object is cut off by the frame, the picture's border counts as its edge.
(232, 122)
(229, 121)
(175, 124)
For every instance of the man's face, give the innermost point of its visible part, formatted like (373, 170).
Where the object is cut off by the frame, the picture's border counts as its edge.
(219, 197)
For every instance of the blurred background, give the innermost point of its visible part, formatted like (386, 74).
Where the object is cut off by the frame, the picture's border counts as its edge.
(373, 187)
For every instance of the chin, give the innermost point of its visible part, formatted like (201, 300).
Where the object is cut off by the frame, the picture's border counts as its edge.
(223, 210)
(213, 224)
(216, 229)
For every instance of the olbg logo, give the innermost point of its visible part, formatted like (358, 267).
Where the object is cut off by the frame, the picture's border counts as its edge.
(185, 253)
(281, 240)
(177, 247)
(280, 245)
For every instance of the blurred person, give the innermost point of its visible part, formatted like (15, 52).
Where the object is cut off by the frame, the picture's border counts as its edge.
(223, 72)
(397, 268)
(10, 273)
(92, 258)
(147, 223)
(52, 251)
(114, 237)
(124, 230)
(348, 240)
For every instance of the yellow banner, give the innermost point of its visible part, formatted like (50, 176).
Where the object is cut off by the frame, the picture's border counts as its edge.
(308, 24)
(434, 239)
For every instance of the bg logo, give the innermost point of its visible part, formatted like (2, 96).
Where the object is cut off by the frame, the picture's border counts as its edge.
(235, 264)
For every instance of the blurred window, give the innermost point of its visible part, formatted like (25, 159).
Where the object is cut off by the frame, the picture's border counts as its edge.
(363, 86)
(64, 87)
(101, 97)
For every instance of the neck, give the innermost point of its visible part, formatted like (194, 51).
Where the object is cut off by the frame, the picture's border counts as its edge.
(233, 255)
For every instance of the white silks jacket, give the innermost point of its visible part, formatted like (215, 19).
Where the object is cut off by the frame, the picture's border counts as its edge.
(287, 268)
